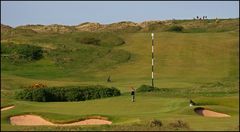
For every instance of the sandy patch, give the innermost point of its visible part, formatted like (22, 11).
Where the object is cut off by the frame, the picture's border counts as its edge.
(29, 120)
(7, 108)
(209, 113)
(33, 120)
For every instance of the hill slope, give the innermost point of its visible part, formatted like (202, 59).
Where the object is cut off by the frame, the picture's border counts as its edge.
(182, 58)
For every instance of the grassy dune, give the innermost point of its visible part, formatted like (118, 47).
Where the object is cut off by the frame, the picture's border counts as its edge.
(203, 66)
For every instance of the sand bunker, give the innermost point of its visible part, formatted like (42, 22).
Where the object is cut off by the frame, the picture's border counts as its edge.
(33, 120)
(209, 113)
(7, 108)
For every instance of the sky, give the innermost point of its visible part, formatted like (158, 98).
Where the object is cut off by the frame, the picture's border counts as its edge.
(15, 13)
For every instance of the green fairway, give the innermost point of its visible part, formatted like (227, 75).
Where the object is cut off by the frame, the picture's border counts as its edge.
(122, 111)
(202, 66)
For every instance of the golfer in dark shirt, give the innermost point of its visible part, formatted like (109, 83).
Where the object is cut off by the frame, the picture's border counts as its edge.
(133, 94)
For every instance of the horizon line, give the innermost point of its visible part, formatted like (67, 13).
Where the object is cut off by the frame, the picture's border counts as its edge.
(110, 23)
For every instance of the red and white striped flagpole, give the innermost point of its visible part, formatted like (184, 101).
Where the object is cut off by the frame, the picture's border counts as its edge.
(152, 59)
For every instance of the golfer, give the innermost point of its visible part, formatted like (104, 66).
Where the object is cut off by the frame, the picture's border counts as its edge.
(133, 94)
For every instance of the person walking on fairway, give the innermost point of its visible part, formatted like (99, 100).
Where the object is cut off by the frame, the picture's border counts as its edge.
(133, 94)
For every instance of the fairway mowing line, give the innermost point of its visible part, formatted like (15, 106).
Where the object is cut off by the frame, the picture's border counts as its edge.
(209, 113)
(7, 108)
(34, 120)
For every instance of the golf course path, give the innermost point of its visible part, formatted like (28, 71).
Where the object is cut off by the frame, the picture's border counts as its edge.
(7, 108)
(209, 113)
(34, 120)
